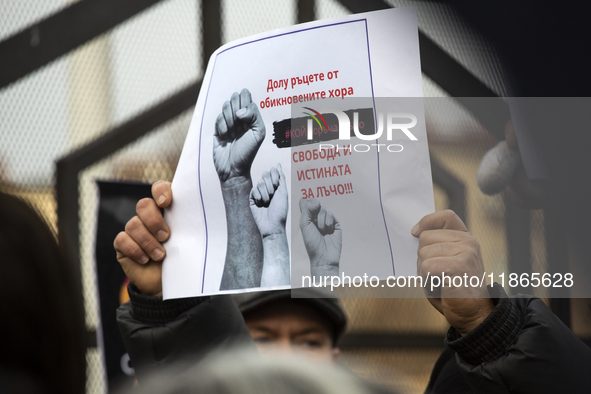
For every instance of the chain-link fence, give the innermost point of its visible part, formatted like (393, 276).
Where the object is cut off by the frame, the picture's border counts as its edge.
(119, 74)
(82, 95)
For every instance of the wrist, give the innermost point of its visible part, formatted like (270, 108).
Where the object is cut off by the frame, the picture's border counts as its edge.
(236, 182)
(149, 291)
(274, 235)
(235, 193)
(324, 269)
(494, 336)
(485, 308)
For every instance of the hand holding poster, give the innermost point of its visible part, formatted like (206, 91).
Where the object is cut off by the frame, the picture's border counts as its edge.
(297, 163)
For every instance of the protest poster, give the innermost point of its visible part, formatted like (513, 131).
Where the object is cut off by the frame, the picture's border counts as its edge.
(248, 171)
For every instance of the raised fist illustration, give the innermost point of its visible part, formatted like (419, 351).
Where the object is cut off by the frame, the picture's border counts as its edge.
(268, 202)
(239, 132)
(323, 237)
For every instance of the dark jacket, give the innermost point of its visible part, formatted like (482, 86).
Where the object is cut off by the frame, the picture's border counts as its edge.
(159, 333)
(522, 347)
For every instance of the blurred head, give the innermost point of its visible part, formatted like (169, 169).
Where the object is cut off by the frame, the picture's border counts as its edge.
(247, 373)
(42, 331)
(309, 326)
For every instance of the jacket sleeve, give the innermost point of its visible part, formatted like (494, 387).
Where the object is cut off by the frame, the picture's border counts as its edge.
(158, 333)
(522, 347)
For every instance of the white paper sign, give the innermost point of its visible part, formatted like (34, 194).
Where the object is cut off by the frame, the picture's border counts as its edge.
(239, 187)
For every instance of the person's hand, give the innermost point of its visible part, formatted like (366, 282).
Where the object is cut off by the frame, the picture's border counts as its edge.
(323, 237)
(139, 248)
(446, 247)
(268, 202)
(239, 132)
(502, 168)
(528, 194)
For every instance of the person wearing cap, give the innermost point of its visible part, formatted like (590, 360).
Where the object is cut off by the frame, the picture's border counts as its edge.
(277, 322)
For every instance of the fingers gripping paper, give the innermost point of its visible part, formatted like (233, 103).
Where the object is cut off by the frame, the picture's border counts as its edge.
(293, 166)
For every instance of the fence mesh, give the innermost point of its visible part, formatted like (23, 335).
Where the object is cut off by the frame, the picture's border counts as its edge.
(116, 76)
(85, 93)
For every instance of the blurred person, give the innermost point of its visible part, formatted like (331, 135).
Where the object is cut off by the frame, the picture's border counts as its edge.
(495, 343)
(541, 46)
(243, 372)
(42, 334)
(502, 169)
(542, 62)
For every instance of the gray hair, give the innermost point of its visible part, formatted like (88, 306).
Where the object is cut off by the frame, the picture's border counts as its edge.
(240, 372)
